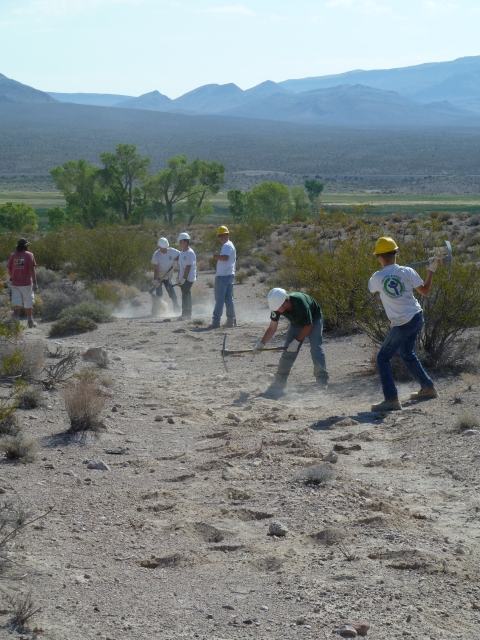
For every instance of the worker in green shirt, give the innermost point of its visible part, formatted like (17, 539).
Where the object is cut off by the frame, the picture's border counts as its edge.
(305, 318)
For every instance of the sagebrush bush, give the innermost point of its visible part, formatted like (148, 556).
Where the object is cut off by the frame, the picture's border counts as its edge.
(316, 474)
(60, 296)
(95, 311)
(111, 254)
(114, 293)
(51, 250)
(18, 448)
(241, 276)
(71, 325)
(46, 277)
(84, 402)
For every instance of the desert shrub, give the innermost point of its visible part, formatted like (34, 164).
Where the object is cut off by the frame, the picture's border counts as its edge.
(61, 296)
(446, 215)
(111, 254)
(84, 402)
(52, 250)
(30, 398)
(316, 474)
(262, 278)
(71, 325)
(241, 276)
(114, 293)
(46, 277)
(467, 421)
(18, 448)
(23, 609)
(252, 271)
(94, 311)
(20, 358)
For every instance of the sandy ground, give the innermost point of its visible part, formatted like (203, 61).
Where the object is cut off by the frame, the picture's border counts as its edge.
(172, 542)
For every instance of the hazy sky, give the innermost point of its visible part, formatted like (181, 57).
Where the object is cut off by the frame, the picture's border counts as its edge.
(134, 46)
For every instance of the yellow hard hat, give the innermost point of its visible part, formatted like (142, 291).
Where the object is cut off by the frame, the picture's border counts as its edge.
(385, 245)
(222, 230)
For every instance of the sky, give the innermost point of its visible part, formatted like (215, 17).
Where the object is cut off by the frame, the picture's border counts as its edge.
(131, 47)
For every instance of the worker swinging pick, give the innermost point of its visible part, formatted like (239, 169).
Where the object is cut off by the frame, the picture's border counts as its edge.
(305, 318)
(395, 284)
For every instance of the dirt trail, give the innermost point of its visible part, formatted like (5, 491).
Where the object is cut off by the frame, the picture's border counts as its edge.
(172, 541)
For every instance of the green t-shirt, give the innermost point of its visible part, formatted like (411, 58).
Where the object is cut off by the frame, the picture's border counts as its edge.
(303, 312)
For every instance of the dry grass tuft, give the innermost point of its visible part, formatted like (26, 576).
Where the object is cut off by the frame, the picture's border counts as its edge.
(316, 474)
(30, 398)
(467, 421)
(84, 402)
(18, 448)
(23, 608)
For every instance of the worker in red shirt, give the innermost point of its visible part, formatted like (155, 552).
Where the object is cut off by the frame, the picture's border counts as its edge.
(21, 268)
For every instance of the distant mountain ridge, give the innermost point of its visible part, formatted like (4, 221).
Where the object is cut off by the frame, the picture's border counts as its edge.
(16, 92)
(433, 94)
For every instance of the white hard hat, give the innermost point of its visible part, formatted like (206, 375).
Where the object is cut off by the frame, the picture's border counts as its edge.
(276, 297)
(163, 243)
(183, 236)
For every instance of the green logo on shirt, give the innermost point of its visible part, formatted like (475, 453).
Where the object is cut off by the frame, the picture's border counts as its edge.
(393, 287)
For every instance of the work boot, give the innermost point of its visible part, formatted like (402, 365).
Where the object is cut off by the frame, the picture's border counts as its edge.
(424, 394)
(215, 324)
(230, 323)
(31, 323)
(274, 392)
(390, 404)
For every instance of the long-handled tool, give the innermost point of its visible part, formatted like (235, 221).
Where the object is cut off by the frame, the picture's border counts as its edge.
(239, 352)
(150, 291)
(446, 260)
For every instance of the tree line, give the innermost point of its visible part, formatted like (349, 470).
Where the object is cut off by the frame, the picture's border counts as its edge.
(121, 190)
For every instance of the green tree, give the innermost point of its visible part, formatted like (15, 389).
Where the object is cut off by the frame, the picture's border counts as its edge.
(18, 217)
(56, 218)
(314, 189)
(271, 201)
(80, 183)
(122, 170)
(237, 205)
(300, 203)
(183, 180)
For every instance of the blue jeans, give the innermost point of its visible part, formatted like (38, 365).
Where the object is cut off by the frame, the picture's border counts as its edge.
(316, 351)
(402, 339)
(223, 296)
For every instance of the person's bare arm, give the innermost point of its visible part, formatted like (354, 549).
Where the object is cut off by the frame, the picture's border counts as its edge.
(155, 271)
(186, 272)
(424, 289)
(270, 332)
(217, 256)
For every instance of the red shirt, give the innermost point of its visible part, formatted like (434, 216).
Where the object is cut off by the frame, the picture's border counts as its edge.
(20, 265)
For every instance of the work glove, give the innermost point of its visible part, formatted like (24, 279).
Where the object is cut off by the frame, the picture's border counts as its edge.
(181, 281)
(258, 347)
(156, 282)
(432, 264)
(294, 346)
(35, 287)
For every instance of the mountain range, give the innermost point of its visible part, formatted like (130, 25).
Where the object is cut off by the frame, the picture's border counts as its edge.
(433, 94)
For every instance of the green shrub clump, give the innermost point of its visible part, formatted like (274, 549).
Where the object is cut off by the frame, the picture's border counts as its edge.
(94, 311)
(71, 325)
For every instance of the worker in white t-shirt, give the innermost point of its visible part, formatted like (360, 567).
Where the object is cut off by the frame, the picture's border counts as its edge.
(395, 284)
(224, 280)
(163, 260)
(187, 261)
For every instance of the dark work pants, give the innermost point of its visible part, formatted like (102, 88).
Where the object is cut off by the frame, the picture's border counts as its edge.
(170, 290)
(187, 299)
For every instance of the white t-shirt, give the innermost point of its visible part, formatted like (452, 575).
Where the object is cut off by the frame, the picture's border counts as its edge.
(186, 258)
(395, 284)
(227, 268)
(165, 261)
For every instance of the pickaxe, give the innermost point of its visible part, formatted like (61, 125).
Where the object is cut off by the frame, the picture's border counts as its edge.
(238, 352)
(446, 260)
